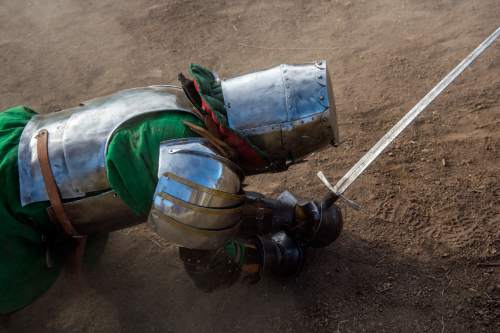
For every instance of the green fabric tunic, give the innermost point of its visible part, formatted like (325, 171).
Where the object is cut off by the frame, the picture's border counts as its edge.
(23, 271)
(132, 164)
(132, 159)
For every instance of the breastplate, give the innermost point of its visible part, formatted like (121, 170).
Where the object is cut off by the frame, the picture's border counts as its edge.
(78, 139)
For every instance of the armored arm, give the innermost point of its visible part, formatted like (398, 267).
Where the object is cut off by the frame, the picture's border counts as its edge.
(198, 200)
(199, 204)
(273, 117)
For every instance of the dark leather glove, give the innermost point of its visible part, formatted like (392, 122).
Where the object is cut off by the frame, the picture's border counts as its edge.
(318, 223)
(310, 223)
(280, 254)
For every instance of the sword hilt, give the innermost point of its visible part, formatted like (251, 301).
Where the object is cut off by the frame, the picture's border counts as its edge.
(333, 195)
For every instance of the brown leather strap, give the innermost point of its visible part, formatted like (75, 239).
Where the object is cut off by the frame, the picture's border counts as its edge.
(50, 184)
(223, 148)
(75, 257)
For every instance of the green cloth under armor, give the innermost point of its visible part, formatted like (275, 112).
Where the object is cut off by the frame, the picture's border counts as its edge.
(210, 91)
(132, 159)
(23, 272)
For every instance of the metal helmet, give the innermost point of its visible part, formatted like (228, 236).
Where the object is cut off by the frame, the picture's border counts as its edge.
(287, 111)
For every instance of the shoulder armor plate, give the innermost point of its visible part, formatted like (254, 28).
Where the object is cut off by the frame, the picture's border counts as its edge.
(198, 199)
(78, 139)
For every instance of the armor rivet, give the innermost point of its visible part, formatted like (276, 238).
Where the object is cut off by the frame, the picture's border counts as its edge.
(198, 261)
(189, 260)
(321, 98)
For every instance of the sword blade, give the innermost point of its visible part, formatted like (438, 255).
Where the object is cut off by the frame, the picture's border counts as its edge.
(344, 183)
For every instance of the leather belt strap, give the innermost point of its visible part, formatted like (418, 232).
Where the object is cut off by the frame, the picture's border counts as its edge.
(57, 208)
(50, 184)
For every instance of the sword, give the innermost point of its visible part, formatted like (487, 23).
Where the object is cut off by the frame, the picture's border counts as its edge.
(365, 161)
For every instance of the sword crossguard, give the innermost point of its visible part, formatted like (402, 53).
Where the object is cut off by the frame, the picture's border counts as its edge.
(333, 195)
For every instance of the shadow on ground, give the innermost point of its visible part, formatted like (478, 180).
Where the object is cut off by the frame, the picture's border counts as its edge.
(350, 286)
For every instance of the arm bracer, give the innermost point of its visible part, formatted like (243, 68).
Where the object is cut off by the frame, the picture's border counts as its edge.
(198, 200)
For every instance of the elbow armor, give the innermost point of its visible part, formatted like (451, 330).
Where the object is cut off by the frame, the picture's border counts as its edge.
(198, 200)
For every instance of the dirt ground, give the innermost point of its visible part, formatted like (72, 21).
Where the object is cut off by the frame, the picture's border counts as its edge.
(411, 260)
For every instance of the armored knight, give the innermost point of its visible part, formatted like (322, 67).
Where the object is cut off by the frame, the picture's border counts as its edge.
(175, 157)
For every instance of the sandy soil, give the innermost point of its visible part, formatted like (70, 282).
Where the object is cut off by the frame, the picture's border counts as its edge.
(407, 262)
